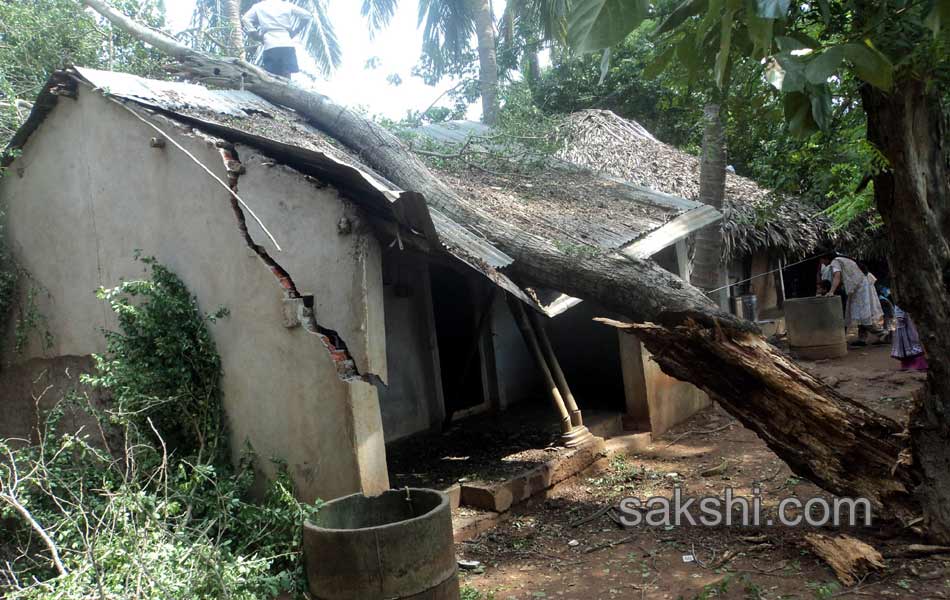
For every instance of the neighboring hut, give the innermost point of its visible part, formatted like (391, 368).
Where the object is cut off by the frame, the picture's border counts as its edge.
(358, 315)
(761, 232)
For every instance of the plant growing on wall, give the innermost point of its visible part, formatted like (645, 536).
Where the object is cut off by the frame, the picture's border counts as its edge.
(148, 499)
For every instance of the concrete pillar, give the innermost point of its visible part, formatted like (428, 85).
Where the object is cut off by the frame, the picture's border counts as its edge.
(637, 417)
(366, 435)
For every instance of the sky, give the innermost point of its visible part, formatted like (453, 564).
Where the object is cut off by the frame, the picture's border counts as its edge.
(397, 47)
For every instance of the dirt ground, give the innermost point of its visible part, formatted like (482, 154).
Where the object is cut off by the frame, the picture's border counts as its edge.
(539, 554)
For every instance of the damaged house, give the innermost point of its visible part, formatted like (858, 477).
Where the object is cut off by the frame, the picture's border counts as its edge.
(762, 232)
(359, 316)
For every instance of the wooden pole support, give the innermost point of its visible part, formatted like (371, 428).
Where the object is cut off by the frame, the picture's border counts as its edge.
(521, 318)
(576, 419)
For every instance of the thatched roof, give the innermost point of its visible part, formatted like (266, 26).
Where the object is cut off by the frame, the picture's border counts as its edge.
(754, 218)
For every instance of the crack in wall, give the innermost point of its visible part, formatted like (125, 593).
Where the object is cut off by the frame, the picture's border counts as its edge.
(302, 305)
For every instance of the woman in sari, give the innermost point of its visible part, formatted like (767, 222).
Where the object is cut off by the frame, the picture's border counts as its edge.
(906, 346)
(864, 306)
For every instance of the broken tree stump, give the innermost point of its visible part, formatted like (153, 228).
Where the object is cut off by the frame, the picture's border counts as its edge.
(851, 559)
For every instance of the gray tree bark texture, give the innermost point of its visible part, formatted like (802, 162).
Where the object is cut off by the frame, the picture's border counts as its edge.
(707, 261)
(824, 437)
(487, 59)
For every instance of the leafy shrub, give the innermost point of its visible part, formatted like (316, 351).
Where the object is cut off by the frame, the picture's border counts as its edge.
(162, 362)
(164, 515)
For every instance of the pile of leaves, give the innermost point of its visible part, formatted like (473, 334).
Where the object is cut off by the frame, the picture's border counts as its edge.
(145, 502)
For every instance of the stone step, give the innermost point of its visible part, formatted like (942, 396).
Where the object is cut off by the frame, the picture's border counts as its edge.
(500, 496)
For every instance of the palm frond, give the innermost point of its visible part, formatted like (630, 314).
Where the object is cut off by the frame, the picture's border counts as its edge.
(379, 13)
(448, 32)
(546, 19)
(321, 41)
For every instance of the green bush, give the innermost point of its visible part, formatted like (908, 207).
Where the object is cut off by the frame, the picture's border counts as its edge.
(148, 504)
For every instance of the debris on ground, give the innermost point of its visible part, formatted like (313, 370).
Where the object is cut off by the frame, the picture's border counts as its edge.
(851, 559)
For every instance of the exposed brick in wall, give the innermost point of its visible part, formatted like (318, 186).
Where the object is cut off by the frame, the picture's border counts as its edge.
(302, 305)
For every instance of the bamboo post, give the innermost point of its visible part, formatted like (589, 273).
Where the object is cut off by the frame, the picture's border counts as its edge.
(521, 319)
(576, 419)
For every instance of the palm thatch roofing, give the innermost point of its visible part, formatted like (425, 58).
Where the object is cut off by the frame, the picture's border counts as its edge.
(754, 218)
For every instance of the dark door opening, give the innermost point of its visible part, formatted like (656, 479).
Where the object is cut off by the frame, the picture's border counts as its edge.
(455, 305)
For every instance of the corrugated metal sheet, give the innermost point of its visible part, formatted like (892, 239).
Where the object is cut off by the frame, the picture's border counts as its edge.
(175, 95)
(454, 235)
(454, 132)
(199, 105)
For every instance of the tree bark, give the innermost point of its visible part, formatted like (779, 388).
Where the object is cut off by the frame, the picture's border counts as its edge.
(232, 9)
(912, 195)
(831, 440)
(707, 261)
(532, 68)
(487, 59)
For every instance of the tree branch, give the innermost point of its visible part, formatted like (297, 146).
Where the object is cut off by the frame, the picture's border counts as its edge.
(12, 501)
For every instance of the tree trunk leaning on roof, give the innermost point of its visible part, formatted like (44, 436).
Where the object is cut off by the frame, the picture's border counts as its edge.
(824, 437)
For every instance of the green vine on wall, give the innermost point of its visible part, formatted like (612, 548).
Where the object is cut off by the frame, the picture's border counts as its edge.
(148, 498)
(162, 362)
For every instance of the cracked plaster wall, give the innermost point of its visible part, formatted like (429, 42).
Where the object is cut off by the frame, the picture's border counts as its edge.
(89, 190)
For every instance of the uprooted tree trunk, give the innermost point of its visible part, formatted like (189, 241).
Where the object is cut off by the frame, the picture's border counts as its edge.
(834, 442)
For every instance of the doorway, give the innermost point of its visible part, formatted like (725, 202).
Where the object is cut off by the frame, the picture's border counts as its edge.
(456, 307)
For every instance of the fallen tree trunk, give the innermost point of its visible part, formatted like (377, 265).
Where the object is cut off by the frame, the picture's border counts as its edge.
(834, 442)
(829, 439)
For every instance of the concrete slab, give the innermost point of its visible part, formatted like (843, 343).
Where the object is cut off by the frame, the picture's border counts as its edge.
(500, 496)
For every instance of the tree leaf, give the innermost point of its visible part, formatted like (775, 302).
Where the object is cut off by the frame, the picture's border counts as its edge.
(773, 9)
(596, 24)
(825, 12)
(689, 8)
(786, 73)
(938, 16)
(870, 65)
(689, 55)
(604, 66)
(798, 114)
(759, 31)
(711, 19)
(787, 44)
(725, 44)
(656, 66)
(823, 66)
(820, 99)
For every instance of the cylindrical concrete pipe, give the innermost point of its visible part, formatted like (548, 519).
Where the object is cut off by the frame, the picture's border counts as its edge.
(815, 327)
(395, 545)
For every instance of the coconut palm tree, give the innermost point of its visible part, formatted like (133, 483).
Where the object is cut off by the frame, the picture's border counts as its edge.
(232, 12)
(527, 25)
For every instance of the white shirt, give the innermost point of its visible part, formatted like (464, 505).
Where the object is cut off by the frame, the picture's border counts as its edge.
(275, 19)
(852, 278)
